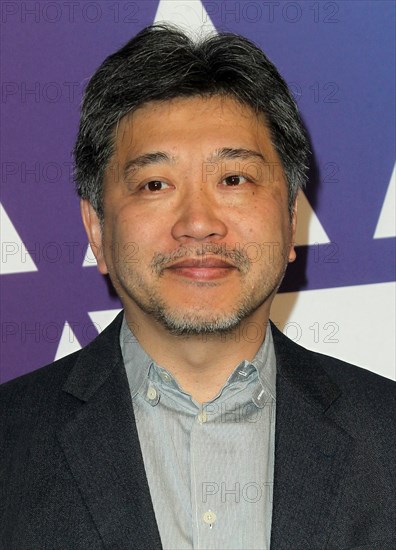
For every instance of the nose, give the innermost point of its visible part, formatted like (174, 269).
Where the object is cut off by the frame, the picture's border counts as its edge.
(198, 218)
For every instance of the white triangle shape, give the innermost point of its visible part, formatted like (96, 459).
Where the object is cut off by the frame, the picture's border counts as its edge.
(89, 258)
(309, 229)
(386, 226)
(68, 342)
(101, 319)
(14, 256)
(191, 16)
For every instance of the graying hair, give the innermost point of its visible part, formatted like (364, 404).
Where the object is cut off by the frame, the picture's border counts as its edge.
(162, 63)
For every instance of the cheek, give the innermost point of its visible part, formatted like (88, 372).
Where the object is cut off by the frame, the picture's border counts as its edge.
(131, 236)
(144, 231)
(266, 236)
(266, 217)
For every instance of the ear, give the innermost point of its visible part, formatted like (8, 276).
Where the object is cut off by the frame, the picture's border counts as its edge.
(292, 252)
(94, 233)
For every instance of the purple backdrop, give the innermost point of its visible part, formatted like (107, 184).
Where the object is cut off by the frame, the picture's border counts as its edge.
(338, 58)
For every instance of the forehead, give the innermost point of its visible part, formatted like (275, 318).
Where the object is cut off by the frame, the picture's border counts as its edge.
(193, 107)
(193, 121)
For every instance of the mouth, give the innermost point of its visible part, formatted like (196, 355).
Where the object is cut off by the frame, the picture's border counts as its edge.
(204, 268)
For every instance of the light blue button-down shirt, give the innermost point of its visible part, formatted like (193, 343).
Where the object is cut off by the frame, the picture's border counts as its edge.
(209, 467)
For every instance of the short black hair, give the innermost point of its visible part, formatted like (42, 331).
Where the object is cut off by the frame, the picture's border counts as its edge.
(162, 62)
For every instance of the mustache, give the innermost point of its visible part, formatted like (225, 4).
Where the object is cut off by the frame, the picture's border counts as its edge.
(237, 258)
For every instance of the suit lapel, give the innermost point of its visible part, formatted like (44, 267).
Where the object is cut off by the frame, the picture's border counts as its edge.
(101, 445)
(311, 450)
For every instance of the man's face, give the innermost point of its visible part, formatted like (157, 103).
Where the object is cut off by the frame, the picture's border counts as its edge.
(197, 233)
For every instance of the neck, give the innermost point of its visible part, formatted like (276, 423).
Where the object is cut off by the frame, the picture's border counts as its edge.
(201, 363)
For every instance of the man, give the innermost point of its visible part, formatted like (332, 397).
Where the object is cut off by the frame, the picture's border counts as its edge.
(191, 421)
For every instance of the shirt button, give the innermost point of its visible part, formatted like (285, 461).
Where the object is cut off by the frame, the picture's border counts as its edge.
(209, 517)
(151, 393)
(202, 417)
(165, 376)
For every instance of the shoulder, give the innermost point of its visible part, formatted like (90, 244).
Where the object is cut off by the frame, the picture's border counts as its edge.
(296, 358)
(348, 374)
(41, 388)
(372, 397)
(360, 389)
(27, 392)
(357, 400)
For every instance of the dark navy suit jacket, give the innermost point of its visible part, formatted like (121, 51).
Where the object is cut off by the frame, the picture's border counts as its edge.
(72, 474)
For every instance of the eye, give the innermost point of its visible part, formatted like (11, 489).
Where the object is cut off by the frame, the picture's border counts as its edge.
(234, 180)
(155, 185)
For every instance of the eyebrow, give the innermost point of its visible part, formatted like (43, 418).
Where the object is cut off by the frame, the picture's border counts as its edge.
(145, 160)
(225, 153)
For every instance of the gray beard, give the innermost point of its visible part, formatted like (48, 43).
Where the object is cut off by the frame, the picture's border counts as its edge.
(194, 323)
(199, 321)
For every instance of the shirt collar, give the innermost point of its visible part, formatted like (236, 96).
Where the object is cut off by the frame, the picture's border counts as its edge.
(137, 362)
(138, 365)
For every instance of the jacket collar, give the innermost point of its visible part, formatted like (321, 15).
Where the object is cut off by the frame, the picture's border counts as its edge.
(312, 450)
(96, 362)
(303, 371)
(101, 445)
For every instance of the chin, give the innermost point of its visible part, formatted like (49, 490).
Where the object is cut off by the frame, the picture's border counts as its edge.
(202, 319)
(185, 326)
